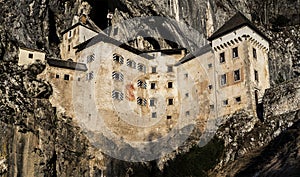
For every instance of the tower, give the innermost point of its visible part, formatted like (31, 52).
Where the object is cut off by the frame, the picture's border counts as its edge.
(241, 66)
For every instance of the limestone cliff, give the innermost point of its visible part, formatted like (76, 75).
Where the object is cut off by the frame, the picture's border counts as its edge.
(37, 142)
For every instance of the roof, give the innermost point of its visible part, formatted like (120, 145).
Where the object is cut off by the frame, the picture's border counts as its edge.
(104, 38)
(31, 49)
(77, 24)
(67, 64)
(167, 51)
(203, 50)
(236, 22)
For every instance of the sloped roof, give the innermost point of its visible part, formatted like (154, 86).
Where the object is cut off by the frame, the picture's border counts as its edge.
(203, 50)
(67, 64)
(236, 22)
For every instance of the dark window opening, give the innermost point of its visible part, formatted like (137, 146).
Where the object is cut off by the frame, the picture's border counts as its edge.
(152, 102)
(57, 76)
(210, 87)
(78, 79)
(170, 69)
(69, 48)
(169, 117)
(235, 52)
(256, 75)
(238, 99)
(210, 65)
(154, 115)
(152, 85)
(170, 101)
(223, 80)
(225, 102)
(237, 75)
(187, 95)
(254, 53)
(212, 106)
(30, 55)
(153, 69)
(67, 77)
(187, 113)
(222, 57)
(170, 84)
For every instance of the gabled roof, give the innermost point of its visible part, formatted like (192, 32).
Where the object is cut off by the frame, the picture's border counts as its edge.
(236, 22)
(203, 50)
(104, 38)
(77, 24)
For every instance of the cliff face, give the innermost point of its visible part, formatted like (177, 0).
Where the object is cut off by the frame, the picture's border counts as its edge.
(37, 142)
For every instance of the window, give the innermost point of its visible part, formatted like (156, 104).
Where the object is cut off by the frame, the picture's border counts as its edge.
(225, 102)
(237, 75)
(118, 58)
(212, 106)
(90, 58)
(152, 102)
(117, 95)
(141, 101)
(78, 79)
(67, 77)
(210, 65)
(153, 69)
(210, 87)
(170, 69)
(187, 95)
(141, 67)
(256, 75)
(223, 80)
(57, 76)
(90, 75)
(238, 99)
(187, 113)
(142, 84)
(30, 55)
(254, 53)
(169, 117)
(154, 115)
(153, 85)
(170, 101)
(170, 84)
(69, 48)
(117, 76)
(116, 30)
(186, 75)
(70, 34)
(222, 57)
(235, 52)
(131, 63)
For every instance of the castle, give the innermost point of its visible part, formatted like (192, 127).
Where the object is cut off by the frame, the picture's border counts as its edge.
(100, 80)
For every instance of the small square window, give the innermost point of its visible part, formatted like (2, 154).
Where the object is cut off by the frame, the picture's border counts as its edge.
(187, 113)
(187, 95)
(235, 52)
(154, 115)
(222, 57)
(169, 117)
(238, 99)
(186, 75)
(210, 65)
(212, 106)
(170, 84)
(170, 69)
(170, 101)
(237, 75)
(30, 55)
(78, 79)
(254, 53)
(57, 76)
(225, 102)
(152, 102)
(210, 87)
(67, 77)
(153, 69)
(153, 85)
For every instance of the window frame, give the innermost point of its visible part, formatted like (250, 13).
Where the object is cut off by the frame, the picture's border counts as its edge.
(222, 58)
(239, 75)
(221, 81)
(152, 100)
(170, 101)
(170, 69)
(170, 84)
(153, 69)
(67, 77)
(235, 52)
(30, 55)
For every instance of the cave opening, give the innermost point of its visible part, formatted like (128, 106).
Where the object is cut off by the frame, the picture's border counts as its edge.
(100, 9)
